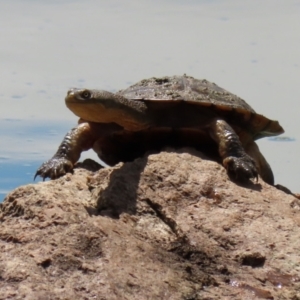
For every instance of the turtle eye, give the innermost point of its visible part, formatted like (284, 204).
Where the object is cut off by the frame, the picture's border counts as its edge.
(86, 94)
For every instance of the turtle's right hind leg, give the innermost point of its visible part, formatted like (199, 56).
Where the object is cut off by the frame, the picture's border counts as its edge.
(264, 168)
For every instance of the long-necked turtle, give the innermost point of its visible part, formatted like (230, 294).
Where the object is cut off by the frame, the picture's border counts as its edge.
(157, 112)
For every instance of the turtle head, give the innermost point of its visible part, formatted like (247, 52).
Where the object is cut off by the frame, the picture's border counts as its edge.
(104, 107)
(89, 104)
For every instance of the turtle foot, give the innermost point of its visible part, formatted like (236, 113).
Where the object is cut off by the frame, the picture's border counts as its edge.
(54, 168)
(242, 168)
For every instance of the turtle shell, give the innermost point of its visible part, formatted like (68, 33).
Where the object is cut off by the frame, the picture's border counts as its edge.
(202, 93)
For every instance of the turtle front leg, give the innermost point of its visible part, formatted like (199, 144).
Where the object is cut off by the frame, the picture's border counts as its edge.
(77, 140)
(236, 161)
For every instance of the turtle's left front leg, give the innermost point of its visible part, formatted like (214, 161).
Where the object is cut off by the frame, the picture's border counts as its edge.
(236, 161)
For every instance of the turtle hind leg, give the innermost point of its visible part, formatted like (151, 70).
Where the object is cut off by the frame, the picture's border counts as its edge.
(237, 162)
(263, 167)
(265, 170)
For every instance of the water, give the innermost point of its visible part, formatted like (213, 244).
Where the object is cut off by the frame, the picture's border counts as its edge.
(250, 48)
(15, 174)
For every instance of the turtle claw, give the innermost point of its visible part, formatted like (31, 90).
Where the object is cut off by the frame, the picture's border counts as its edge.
(242, 168)
(54, 168)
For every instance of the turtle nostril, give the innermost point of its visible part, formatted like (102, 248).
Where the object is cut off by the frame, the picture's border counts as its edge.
(70, 91)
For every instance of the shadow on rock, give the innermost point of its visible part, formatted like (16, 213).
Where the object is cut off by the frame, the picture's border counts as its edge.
(115, 190)
(119, 194)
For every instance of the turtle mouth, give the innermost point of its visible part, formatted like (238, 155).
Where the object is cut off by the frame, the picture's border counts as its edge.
(70, 97)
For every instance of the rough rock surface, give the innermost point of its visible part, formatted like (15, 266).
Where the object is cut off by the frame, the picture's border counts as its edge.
(166, 226)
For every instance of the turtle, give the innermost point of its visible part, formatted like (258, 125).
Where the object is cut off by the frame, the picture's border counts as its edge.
(176, 111)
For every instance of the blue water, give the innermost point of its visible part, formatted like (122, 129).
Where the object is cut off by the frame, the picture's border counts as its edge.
(16, 174)
(25, 145)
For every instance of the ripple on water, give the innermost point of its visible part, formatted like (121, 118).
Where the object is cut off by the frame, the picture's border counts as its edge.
(281, 139)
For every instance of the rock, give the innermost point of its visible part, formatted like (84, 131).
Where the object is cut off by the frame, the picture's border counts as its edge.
(167, 226)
